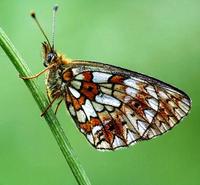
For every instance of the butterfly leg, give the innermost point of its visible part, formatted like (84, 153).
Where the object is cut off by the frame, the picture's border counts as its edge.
(38, 74)
(58, 105)
(51, 103)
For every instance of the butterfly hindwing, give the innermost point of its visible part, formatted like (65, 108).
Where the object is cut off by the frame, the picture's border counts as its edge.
(114, 107)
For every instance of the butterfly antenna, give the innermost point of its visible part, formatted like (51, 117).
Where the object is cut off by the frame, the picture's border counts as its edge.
(33, 15)
(55, 8)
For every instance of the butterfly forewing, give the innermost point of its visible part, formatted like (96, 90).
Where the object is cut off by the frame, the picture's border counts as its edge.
(115, 107)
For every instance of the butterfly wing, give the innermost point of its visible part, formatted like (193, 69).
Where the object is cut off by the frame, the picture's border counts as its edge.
(115, 107)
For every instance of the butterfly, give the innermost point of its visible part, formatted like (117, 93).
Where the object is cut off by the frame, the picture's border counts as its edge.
(111, 106)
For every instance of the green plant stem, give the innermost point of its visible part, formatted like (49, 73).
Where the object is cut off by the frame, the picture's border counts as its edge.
(50, 117)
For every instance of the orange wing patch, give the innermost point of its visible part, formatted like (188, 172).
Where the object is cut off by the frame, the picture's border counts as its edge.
(89, 90)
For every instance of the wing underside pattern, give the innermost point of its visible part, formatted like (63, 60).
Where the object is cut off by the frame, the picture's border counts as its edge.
(115, 108)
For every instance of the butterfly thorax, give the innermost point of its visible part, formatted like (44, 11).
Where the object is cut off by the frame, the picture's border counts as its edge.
(54, 77)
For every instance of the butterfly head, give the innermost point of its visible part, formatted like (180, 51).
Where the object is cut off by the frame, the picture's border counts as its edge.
(49, 54)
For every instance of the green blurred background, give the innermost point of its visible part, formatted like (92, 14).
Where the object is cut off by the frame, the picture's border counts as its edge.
(160, 38)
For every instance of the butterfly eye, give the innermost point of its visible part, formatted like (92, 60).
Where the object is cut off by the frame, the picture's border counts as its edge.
(49, 59)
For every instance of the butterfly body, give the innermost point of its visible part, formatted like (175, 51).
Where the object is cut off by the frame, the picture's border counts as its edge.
(113, 107)
(54, 76)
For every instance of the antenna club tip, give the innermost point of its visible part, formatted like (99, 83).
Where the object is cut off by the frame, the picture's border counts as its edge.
(33, 14)
(55, 7)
